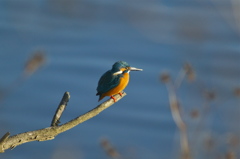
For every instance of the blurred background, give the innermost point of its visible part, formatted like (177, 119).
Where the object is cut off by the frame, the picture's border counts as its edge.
(48, 47)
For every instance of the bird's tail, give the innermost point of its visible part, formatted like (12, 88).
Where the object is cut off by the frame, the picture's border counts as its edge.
(100, 96)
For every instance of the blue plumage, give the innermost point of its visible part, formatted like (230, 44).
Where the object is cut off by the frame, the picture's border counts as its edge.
(115, 80)
(108, 81)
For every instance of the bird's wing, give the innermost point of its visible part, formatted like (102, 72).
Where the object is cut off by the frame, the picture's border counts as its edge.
(107, 82)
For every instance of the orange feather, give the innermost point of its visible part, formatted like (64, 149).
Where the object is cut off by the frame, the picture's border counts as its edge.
(119, 88)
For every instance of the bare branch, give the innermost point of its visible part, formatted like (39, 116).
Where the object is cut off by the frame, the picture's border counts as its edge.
(2, 141)
(50, 133)
(61, 107)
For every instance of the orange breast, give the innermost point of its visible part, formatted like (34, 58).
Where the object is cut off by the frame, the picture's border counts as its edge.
(122, 85)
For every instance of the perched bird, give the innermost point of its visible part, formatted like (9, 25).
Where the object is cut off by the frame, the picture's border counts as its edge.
(115, 80)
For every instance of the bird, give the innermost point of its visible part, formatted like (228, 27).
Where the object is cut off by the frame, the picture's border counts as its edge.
(114, 81)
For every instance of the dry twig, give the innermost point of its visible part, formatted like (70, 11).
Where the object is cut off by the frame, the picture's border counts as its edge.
(50, 133)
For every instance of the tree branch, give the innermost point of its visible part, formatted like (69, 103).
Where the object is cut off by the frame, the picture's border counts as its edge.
(50, 133)
(60, 109)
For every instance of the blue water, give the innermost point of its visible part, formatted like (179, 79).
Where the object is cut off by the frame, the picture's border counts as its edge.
(82, 39)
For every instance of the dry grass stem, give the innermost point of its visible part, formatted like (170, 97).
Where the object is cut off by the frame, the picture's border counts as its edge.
(110, 150)
(186, 71)
(34, 63)
(175, 110)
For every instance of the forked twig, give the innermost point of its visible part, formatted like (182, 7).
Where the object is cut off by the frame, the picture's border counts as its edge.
(51, 132)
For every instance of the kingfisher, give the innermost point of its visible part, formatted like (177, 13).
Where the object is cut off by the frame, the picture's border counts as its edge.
(115, 80)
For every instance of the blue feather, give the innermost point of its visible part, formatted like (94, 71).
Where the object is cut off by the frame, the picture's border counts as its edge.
(109, 81)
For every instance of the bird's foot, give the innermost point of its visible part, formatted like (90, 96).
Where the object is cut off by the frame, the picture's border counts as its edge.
(114, 99)
(120, 93)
